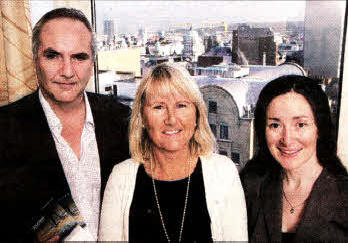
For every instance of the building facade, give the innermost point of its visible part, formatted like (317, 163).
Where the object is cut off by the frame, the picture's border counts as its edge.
(323, 38)
(256, 44)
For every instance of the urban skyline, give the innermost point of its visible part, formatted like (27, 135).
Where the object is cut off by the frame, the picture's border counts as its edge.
(161, 15)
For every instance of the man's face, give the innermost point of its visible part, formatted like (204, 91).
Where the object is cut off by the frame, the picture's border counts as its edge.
(64, 64)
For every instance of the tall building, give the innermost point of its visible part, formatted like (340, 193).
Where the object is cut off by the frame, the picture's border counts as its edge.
(109, 29)
(193, 45)
(324, 21)
(256, 44)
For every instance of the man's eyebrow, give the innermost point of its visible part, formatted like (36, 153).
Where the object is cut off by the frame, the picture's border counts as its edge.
(81, 55)
(51, 51)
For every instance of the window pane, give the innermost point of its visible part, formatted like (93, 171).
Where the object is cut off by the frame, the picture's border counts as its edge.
(231, 48)
(223, 132)
(213, 129)
(223, 152)
(212, 107)
(235, 157)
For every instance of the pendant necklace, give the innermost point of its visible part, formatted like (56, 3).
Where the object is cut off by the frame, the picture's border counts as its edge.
(292, 208)
(159, 208)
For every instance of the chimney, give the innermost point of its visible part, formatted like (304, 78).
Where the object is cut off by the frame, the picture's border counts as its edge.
(264, 59)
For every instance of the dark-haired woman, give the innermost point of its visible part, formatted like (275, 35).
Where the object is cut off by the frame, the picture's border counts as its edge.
(296, 187)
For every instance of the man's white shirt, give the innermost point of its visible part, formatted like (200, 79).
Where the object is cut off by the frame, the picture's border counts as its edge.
(83, 175)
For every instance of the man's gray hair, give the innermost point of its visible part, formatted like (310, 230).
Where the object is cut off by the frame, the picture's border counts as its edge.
(57, 13)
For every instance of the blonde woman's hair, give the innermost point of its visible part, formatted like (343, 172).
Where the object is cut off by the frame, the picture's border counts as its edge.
(165, 79)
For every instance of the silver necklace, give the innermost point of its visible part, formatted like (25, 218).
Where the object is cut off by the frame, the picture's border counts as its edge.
(159, 208)
(292, 208)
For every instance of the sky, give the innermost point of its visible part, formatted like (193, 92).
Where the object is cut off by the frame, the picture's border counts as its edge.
(155, 15)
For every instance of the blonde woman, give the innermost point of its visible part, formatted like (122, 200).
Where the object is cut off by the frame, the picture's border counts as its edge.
(174, 188)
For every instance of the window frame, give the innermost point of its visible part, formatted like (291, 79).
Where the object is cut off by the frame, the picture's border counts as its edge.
(342, 90)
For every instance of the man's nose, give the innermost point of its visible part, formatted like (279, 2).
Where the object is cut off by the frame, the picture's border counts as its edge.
(67, 70)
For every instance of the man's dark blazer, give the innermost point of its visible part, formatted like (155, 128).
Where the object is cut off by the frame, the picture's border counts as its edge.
(31, 173)
(325, 216)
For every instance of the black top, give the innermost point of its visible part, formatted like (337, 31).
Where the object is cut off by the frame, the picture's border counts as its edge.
(144, 220)
(288, 237)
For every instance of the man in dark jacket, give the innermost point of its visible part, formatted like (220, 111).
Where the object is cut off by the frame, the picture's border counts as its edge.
(58, 145)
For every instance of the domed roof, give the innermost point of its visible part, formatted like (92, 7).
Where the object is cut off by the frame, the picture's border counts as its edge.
(239, 89)
(245, 91)
(272, 72)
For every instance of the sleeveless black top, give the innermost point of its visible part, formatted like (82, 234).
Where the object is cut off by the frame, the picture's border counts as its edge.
(144, 220)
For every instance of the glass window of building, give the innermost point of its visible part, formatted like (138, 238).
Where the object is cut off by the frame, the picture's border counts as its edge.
(223, 131)
(212, 107)
(213, 129)
(235, 156)
(223, 152)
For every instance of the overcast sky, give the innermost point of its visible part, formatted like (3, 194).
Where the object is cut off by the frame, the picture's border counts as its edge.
(155, 15)
(130, 15)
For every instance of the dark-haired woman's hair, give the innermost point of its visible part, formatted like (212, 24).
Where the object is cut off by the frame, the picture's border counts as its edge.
(318, 101)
